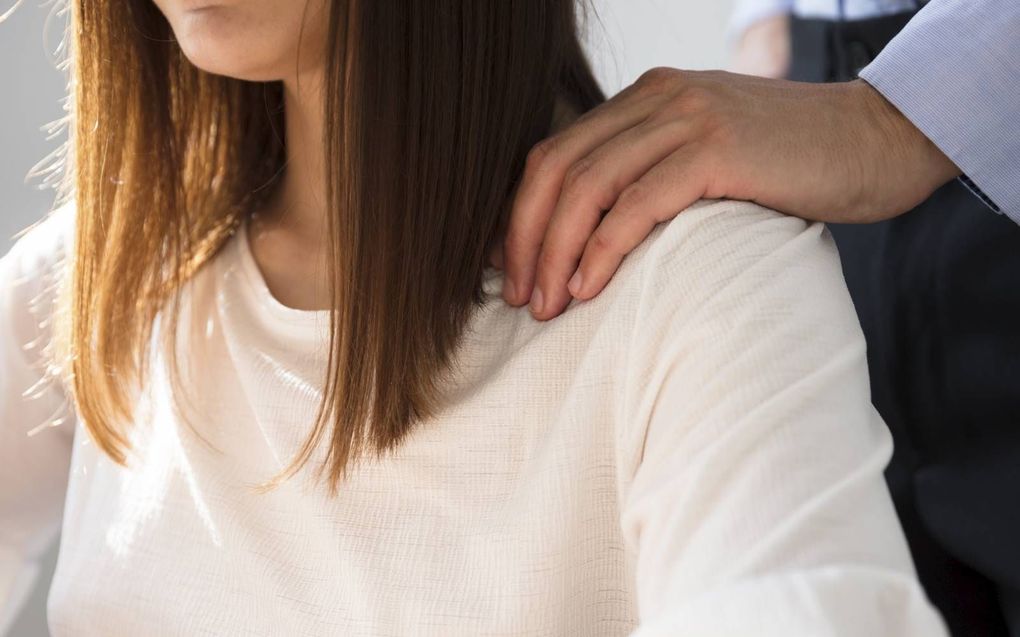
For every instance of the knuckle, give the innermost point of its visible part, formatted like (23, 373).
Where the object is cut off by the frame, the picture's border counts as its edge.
(579, 174)
(586, 184)
(657, 78)
(541, 156)
(695, 99)
(632, 199)
(601, 243)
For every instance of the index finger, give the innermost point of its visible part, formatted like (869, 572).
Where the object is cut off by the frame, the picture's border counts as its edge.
(544, 171)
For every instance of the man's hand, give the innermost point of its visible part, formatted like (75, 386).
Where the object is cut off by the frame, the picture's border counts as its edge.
(829, 152)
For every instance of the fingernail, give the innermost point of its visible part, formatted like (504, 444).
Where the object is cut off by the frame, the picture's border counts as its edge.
(574, 285)
(536, 301)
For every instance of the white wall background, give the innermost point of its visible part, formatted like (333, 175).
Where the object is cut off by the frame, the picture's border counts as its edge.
(626, 37)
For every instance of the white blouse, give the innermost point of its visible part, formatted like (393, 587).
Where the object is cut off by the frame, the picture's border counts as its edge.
(691, 452)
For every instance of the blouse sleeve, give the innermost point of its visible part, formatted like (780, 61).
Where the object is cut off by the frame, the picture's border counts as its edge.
(36, 425)
(757, 504)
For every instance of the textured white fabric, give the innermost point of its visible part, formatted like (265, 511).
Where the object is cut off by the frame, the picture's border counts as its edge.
(692, 452)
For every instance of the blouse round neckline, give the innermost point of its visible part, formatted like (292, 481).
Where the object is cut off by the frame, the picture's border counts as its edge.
(257, 285)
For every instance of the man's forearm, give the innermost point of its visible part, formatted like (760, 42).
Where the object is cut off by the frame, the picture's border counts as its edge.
(954, 71)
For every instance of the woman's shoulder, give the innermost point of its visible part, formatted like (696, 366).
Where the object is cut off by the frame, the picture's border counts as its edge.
(722, 235)
(727, 245)
(39, 248)
(31, 273)
(731, 297)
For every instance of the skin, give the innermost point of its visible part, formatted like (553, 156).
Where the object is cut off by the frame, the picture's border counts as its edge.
(600, 183)
(216, 36)
(592, 192)
(286, 235)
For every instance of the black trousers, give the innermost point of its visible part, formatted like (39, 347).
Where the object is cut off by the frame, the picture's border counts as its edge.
(937, 291)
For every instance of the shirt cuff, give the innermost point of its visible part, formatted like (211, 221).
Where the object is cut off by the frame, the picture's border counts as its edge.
(977, 192)
(954, 72)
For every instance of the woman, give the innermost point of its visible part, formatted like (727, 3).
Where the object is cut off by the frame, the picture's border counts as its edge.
(279, 233)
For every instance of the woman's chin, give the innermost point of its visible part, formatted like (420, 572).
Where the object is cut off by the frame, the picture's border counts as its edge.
(219, 44)
(223, 60)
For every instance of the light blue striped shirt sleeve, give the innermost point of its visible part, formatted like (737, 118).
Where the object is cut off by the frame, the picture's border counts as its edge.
(954, 71)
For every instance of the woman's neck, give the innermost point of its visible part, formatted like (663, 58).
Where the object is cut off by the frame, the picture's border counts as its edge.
(299, 201)
(287, 234)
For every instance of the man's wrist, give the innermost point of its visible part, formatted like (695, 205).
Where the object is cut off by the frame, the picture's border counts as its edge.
(924, 161)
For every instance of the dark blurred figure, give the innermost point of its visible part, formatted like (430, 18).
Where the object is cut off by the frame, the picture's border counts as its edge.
(937, 291)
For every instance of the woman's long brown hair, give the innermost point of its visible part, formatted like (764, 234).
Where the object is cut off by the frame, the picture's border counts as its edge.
(431, 109)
